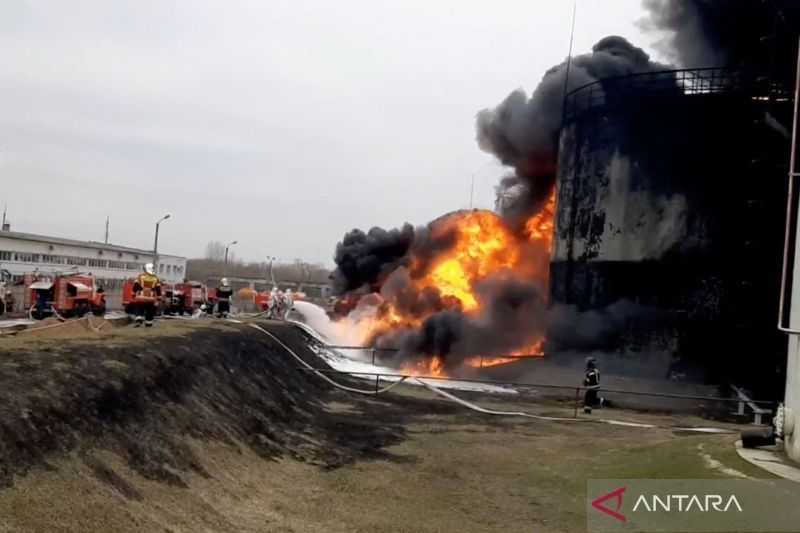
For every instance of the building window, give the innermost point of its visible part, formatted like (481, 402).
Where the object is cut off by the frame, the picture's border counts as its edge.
(26, 258)
(53, 259)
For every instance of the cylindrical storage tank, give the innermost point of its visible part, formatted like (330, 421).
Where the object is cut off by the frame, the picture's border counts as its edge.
(671, 190)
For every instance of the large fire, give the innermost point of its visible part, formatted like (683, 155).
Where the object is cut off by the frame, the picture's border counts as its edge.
(483, 245)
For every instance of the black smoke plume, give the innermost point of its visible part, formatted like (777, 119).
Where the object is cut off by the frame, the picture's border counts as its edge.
(516, 315)
(750, 35)
(523, 132)
(363, 260)
(513, 315)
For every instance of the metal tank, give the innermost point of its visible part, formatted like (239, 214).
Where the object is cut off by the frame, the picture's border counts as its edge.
(671, 189)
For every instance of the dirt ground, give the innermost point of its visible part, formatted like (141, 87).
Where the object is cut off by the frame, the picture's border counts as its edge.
(227, 435)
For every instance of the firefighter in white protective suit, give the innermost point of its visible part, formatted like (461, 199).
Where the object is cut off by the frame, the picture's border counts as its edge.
(288, 303)
(273, 308)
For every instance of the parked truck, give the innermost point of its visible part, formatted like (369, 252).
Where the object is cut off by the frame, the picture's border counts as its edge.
(64, 295)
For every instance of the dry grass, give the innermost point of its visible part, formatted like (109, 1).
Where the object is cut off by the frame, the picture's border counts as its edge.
(75, 333)
(455, 472)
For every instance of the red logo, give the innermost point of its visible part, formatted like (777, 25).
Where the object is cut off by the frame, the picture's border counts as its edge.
(616, 494)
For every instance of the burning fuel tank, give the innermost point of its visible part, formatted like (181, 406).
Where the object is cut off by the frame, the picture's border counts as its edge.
(671, 190)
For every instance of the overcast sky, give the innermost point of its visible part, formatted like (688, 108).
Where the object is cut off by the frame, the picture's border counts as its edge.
(282, 124)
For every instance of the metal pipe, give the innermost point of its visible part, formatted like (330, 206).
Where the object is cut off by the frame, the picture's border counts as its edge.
(536, 356)
(790, 229)
(577, 399)
(540, 386)
(569, 64)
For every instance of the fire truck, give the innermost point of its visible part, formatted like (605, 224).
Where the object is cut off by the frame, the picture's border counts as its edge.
(184, 297)
(178, 298)
(195, 295)
(262, 298)
(64, 295)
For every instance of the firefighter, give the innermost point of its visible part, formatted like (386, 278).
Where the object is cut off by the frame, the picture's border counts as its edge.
(288, 303)
(146, 292)
(224, 293)
(592, 383)
(273, 308)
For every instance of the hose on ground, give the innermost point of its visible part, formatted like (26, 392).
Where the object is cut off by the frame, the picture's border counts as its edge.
(479, 409)
(57, 314)
(471, 405)
(320, 374)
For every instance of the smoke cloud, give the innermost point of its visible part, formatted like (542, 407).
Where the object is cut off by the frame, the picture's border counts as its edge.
(522, 132)
(363, 260)
(513, 310)
(516, 314)
(512, 315)
(757, 35)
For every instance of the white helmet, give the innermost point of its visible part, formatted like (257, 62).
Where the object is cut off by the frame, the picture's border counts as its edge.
(288, 292)
(274, 289)
(224, 282)
(150, 268)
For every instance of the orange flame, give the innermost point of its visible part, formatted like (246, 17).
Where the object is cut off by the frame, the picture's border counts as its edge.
(534, 350)
(483, 245)
(428, 367)
(541, 225)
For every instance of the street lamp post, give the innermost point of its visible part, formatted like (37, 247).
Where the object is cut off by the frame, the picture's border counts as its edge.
(225, 269)
(155, 244)
(270, 261)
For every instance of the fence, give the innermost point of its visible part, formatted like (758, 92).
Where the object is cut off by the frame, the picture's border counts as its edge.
(620, 89)
(759, 407)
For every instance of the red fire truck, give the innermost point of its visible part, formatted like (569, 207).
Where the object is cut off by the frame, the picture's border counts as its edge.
(65, 295)
(178, 298)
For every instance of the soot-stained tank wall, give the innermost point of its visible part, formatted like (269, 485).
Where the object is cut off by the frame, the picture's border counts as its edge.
(675, 202)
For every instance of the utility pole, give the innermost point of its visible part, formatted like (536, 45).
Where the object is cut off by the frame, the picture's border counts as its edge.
(106, 241)
(155, 243)
(270, 260)
(471, 190)
(225, 268)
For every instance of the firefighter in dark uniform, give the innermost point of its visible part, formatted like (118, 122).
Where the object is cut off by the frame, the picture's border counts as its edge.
(592, 383)
(224, 293)
(146, 293)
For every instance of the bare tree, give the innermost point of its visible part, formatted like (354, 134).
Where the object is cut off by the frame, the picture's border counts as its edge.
(215, 250)
(296, 272)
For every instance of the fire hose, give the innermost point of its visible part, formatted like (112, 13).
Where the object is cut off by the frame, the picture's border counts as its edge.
(483, 410)
(320, 374)
(471, 405)
(52, 310)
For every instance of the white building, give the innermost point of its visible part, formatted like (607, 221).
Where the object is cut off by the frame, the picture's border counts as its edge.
(22, 253)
